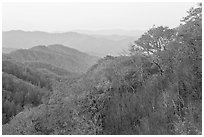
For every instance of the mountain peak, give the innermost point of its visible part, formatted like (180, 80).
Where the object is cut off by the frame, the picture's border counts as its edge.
(39, 47)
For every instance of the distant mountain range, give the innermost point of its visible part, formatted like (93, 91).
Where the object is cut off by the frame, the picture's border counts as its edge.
(7, 50)
(95, 44)
(58, 56)
(120, 32)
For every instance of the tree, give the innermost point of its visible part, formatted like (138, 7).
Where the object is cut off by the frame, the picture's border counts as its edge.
(153, 43)
(155, 40)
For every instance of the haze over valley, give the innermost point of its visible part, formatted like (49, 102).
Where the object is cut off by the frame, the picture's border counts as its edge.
(96, 44)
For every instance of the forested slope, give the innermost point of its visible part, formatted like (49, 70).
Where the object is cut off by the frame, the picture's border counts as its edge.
(28, 78)
(20, 91)
(57, 55)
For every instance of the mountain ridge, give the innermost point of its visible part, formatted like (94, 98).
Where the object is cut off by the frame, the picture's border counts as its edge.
(57, 55)
(99, 44)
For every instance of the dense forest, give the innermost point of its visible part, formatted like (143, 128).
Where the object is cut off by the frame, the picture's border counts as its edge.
(155, 88)
(21, 87)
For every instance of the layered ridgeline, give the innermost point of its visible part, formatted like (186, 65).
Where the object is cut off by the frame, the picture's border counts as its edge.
(99, 45)
(29, 75)
(56, 55)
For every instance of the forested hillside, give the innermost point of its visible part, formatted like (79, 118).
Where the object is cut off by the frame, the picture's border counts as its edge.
(56, 55)
(22, 87)
(155, 89)
(28, 75)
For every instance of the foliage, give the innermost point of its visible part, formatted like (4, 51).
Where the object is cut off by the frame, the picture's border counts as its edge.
(160, 95)
(17, 94)
(25, 73)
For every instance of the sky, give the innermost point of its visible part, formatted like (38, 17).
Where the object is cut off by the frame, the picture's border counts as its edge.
(61, 17)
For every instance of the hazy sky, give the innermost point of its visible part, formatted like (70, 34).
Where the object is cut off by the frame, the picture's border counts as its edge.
(91, 16)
